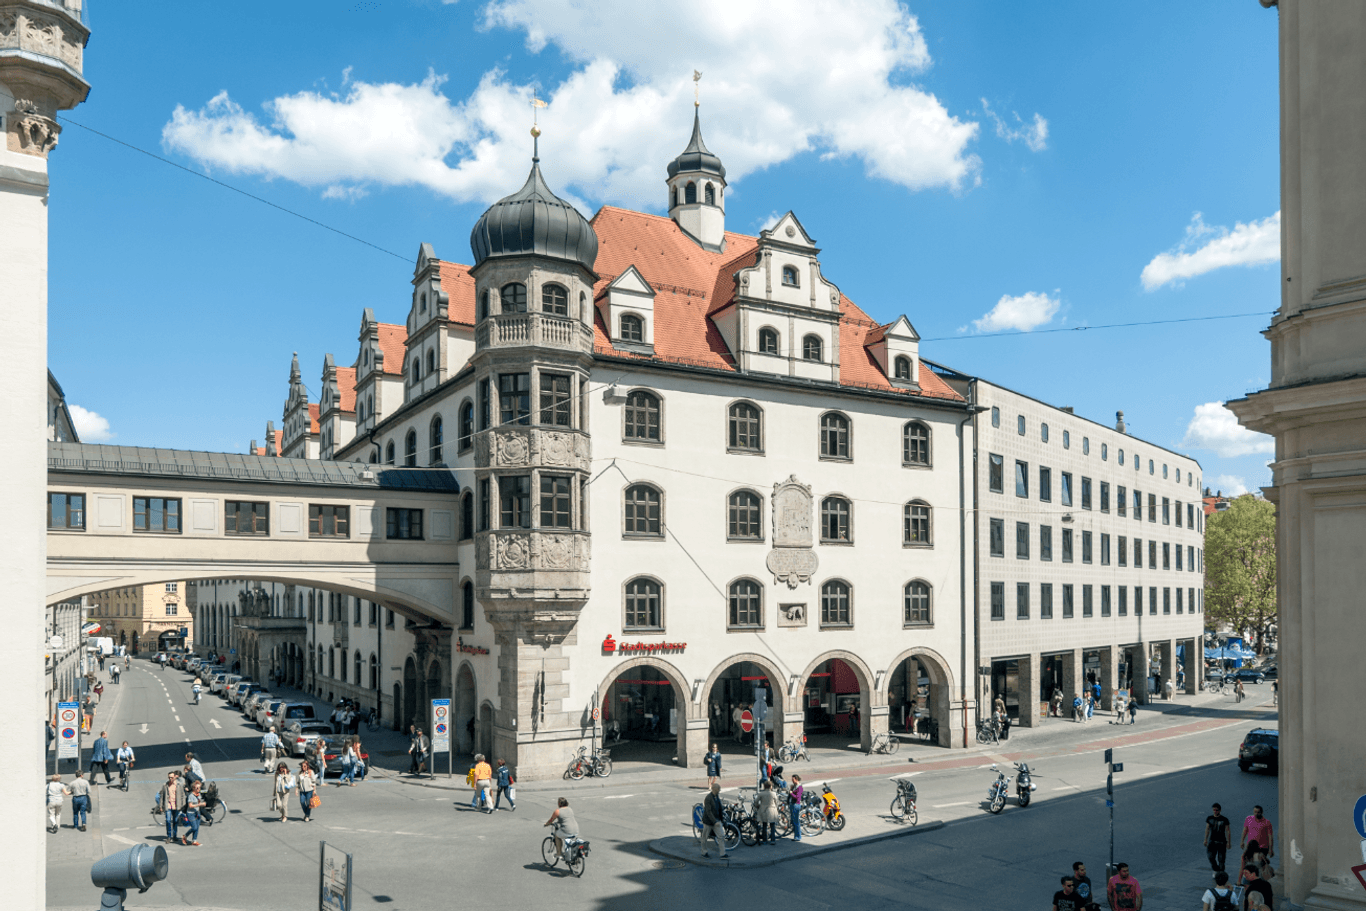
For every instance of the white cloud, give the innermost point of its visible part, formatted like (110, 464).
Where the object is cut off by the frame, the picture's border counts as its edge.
(1026, 312)
(90, 427)
(770, 220)
(1034, 132)
(1215, 427)
(1230, 485)
(821, 79)
(1253, 244)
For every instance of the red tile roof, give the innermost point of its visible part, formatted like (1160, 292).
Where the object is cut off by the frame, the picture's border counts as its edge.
(459, 287)
(346, 388)
(313, 417)
(393, 342)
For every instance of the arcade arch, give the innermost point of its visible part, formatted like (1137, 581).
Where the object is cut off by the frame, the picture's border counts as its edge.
(919, 686)
(839, 705)
(645, 700)
(463, 713)
(730, 689)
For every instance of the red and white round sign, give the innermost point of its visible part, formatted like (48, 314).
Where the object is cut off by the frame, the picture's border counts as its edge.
(746, 721)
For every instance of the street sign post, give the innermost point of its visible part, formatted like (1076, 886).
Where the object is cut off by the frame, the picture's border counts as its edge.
(334, 878)
(1111, 767)
(68, 731)
(441, 734)
(760, 713)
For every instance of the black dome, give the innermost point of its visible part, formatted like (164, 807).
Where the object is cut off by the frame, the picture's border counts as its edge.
(696, 157)
(534, 221)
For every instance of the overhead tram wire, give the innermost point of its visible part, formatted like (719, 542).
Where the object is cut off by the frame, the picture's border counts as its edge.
(228, 186)
(1150, 322)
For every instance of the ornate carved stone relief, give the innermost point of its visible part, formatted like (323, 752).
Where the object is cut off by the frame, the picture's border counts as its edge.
(511, 551)
(37, 133)
(558, 552)
(557, 448)
(511, 448)
(792, 560)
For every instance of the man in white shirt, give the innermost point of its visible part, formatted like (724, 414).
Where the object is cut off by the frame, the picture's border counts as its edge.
(270, 750)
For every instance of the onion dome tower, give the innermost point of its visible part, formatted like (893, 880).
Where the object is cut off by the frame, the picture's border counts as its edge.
(697, 191)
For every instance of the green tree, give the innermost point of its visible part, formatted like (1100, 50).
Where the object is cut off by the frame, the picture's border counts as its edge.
(1240, 568)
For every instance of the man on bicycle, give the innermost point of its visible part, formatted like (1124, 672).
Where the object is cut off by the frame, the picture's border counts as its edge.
(124, 758)
(198, 688)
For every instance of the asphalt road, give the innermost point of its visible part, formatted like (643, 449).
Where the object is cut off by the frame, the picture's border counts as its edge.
(420, 848)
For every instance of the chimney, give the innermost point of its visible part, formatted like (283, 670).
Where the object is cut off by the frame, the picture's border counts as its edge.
(1119, 422)
(1068, 409)
(252, 450)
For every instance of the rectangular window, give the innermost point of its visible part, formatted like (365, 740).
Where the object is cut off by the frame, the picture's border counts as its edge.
(1105, 600)
(514, 398)
(555, 501)
(243, 518)
(996, 469)
(1179, 605)
(1166, 600)
(1086, 547)
(355, 607)
(998, 537)
(66, 510)
(1066, 489)
(1166, 511)
(1045, 484)
(1138, 553)
(514, 501)
(1138, 505)
(1190, 557)
(1067, 545)
(1122, 549)
(1022, 540)
(1046, 601)
(485, 410)
(555, 400)
(1152, 507)
(1190, 597)
(1166, 555)
(374, 614)
(1178, 558)
(1067, 602)
(1121, 507)
(1104, 496)
(1152, 555)
(1087, 606)
(1178, 513)
(1190, 515)
(156, 515)
(998, 600)
(1085, 493)
(1104, 550)
(405, 524)
(1021, 479)
(1123, 600)
(485, 507)
(1046, 542)
(172, 610)
(1152, 601)
(1021, 600)
(388, 619)
(329, 521)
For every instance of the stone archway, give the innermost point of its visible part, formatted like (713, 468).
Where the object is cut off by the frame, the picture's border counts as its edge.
(463, 710)
(831, 706)
(483, 730)
(639, 705)
(409, 714)
(720, 696)
(928, 713)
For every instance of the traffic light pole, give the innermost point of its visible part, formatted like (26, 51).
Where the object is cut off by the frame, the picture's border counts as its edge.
(1111, 767)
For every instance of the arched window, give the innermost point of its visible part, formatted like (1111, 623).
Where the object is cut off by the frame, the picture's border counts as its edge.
(690, 193)
(632, 328)
(436, 436)
(357, 669)
(389, 453)
(320, 660)
(836, 609)
(514, 297)
(674, 204)
(422, 308)
(768, 341)
(374, 671)
(417, 369)
(410, 450)
(644, 604)
(1121, 456)
(467, 605)
(466, 426)
(467, 516)
(1085, 445)
(916, 523)
(555, 299)
(918, 604)
(641, 516)
(902, 368)
(836, 520)
(710, 195)
(834, 436)
(915, 444)
(332, 662)
(484, 305)
(642, 416)
(811, 348)
(744, 515)
(746, 427)
(431, 362)
(790, 276)
(360, 412)
(746, 603)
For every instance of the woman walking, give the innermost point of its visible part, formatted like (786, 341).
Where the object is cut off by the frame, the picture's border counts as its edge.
(194, 801)
(351, 764)
(505, 784)
(768, 815)
(308, 783)
(56, 796)
(283, 784)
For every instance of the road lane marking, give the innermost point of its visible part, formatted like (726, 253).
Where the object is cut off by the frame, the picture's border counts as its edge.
(1068, 787)
(182, 729)
(961, 803)
(121, 839)
(617, 796)
(143, 729)
(214, 722)
(177, 718)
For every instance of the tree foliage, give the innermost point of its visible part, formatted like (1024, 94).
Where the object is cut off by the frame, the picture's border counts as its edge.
(1240, 568)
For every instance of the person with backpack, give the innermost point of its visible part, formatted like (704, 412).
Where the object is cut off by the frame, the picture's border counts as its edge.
(1220, 897)
(505, 786)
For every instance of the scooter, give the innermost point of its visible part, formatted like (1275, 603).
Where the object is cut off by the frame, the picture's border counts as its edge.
(196, 694)
(1024, 786)
(996, 794)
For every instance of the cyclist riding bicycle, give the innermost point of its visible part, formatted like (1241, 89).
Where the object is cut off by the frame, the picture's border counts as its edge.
(198, 687)
(125, 759)
(565, 825)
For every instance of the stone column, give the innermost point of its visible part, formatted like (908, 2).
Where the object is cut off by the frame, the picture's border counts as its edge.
(877, 722)
(1138, 662)
(1194, 664)
(1031, 680)
(1168, 651)
(692, 740)
(1109, 673)
(1073, 679)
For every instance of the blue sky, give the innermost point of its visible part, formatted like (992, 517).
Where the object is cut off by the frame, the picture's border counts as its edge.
(979, 166)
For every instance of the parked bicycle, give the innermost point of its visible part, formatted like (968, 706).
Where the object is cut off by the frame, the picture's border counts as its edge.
(214, 809)
(885, 743)
(372, 720)
(794, 749)
(599, 764)
(903, 804)
(575, 853)
(988, 731)
(731, 814)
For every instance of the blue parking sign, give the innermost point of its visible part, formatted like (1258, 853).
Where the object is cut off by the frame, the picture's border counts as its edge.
(1359, 816)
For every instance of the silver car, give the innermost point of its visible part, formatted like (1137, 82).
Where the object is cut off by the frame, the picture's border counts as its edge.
(268, 712)
(245, 690)
(232, 689)
(228, 681)
(299, 735)
(253, 700)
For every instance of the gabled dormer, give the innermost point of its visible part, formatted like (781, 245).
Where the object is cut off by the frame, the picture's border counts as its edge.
(300, 434)
(627, 306)
(337, 410)
(785, 316)
(425, 362)
(379, 365)
(896, 348)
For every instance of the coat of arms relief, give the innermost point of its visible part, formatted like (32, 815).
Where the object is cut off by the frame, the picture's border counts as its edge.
(792, 560)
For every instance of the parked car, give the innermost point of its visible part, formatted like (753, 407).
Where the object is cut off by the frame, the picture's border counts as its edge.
(1251, 674)
(1261, 748)
(328, 753)
(252, 700)
(243, 689)
(232, 682)
(1271, 672)
(193, 664)
(227, 681)
(299, 734)
(267, 712)
(216, 681)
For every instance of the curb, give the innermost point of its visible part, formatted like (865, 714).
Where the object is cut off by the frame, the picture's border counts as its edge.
(690, 856)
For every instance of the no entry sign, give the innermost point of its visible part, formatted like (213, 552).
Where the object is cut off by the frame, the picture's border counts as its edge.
(746, 721)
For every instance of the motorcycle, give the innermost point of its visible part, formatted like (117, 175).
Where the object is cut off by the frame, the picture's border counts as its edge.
(996, 794)
(196, 694)
(1024, 785)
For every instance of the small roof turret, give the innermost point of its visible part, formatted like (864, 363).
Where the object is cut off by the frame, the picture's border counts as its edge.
(696, 157)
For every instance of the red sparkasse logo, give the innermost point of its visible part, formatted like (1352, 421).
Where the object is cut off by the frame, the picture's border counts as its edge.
(609, 645)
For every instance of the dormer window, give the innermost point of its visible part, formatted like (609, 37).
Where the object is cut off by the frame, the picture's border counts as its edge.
(514, 297)
(690, 193)
(903, 368)
(768, 341)
(790, 276)
(811, 348)
(555, 299)
(710, 195)
(632, 328)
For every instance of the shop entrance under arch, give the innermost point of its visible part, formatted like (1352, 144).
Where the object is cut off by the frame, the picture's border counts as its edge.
(732, 693)
(918, 701)
(641, 717)
(463, 715)
(834, 706)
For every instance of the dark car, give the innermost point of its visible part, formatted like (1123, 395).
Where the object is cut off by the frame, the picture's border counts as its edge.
(1271, 672)
(1251, 674)
(332, 749)
(1261, 748)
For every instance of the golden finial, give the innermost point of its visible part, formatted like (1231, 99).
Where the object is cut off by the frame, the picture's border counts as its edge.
(696, 78)
(536, 104)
